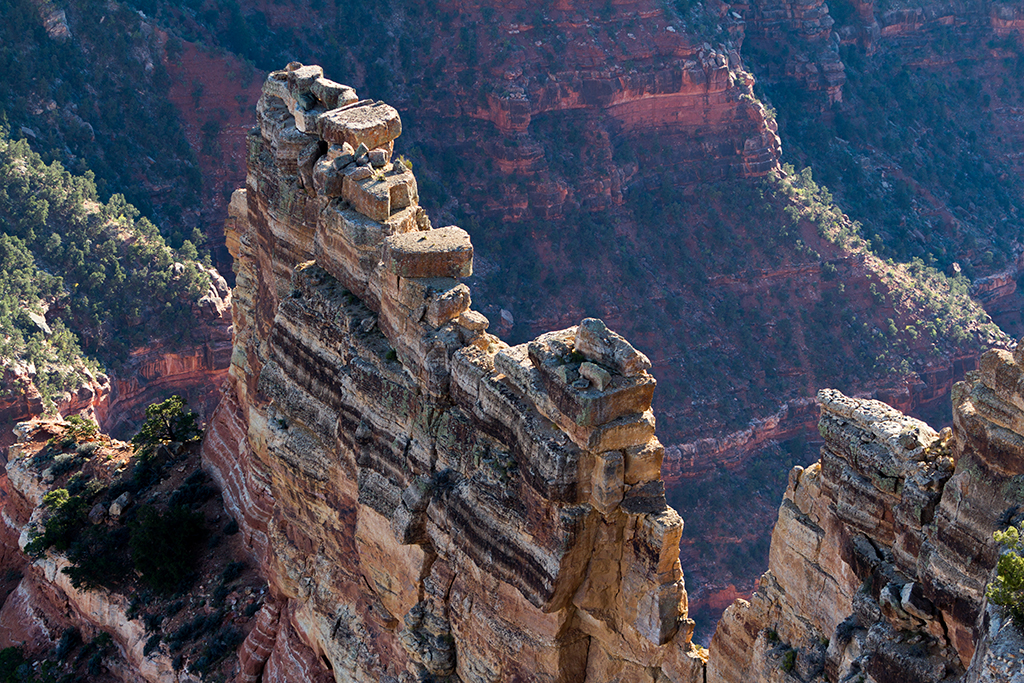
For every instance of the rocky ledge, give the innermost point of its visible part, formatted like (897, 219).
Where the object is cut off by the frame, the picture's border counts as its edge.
(425, 500)
(429, 503)
(883, 549)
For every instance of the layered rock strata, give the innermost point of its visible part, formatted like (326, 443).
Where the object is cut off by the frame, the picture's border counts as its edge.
(151, 373)
(810, 54)
(425, 500)
(611, 78)
(429, 503)
(883, 548)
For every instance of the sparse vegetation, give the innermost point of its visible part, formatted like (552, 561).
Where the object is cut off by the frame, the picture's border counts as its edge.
(14, 668)
(154, 548)
(79, 278)
(160, 543)
(912, 151)
(1007, 590)
(78, 430)
(167, 422)
(788, 661)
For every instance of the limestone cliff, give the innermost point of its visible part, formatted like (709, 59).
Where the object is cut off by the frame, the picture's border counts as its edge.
(883, 548)
(429, 503)
(424, 499)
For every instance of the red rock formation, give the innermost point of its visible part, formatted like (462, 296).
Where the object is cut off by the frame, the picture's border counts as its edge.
(883, 549)
(809, 54)
(292, 660)
(428, 502)
(21, 400)
(697, 458)
(416, 490)
(398, 470)
(259, 644)
(153, 373)
(41, 603)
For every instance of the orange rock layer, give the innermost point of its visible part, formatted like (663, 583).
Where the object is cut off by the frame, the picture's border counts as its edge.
(424, 499)
(428, 503)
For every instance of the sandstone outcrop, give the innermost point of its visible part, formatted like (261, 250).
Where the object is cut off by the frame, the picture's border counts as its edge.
(424, 499)
(42, 604)
(428, 502)
(884, 547)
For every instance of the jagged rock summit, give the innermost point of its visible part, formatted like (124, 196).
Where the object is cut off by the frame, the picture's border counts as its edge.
(883, 549)
(425, 500)
(429, 503)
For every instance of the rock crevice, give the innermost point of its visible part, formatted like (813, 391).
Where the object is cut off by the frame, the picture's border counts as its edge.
(424, 499)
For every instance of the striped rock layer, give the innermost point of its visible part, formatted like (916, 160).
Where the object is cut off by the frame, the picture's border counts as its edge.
(429, 503)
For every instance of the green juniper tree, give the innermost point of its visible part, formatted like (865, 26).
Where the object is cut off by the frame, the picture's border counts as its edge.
(1008, 588)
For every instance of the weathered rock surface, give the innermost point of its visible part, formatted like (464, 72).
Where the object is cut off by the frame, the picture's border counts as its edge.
(883, 548)
(429, 503)
(425, 500)
(42, 604)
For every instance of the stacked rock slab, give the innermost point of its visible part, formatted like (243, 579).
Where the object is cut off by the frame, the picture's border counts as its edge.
(427, 502)
(883, 549)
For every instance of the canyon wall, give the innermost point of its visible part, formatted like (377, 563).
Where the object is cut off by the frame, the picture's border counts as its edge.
(427, 501)
(424, 499)
(153, 373)
(883, 548)
(118, 400)
(613, 79)
(809, 54)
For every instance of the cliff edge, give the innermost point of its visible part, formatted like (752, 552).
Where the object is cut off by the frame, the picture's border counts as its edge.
(883, 548)
(429, 503)
(424, 499)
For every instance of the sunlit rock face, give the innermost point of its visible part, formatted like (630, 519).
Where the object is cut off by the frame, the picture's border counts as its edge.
(429, 503)
(883, 548)
(424, 499)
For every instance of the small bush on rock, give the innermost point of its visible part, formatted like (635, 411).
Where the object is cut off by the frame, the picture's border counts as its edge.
(167, 422)
(165, 546)
(1008, 588)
